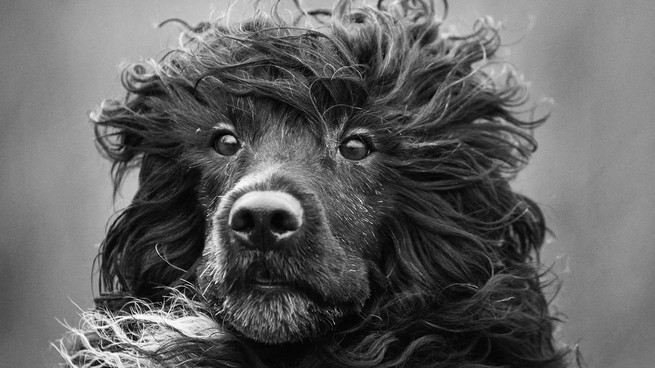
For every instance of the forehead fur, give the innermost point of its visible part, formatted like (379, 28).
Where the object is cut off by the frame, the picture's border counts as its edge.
(397, 67)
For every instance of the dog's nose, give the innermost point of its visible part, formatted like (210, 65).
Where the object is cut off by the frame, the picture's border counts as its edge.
(263, 219)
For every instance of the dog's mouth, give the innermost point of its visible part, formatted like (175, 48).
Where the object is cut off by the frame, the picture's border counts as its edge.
(271, 302)
(264, 280)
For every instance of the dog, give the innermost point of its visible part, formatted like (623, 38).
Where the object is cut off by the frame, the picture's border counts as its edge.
(329, 195)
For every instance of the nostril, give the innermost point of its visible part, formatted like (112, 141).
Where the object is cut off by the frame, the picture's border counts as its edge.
(283, 221)
(242, 220)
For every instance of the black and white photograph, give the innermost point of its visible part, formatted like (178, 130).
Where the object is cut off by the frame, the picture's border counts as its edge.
(327, 183)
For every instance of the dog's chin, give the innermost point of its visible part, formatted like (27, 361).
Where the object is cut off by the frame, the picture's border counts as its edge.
(278, 315)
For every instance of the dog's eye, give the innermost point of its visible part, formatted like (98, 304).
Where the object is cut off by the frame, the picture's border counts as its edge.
(354, 148)
(226, 144)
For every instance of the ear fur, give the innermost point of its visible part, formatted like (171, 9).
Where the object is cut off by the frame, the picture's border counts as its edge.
(156, 240)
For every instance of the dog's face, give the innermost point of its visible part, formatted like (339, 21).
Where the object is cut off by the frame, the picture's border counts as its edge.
(292, 213)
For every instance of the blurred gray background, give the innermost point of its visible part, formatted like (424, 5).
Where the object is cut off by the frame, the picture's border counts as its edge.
(593, 174)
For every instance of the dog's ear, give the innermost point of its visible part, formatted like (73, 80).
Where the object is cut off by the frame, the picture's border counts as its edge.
(156, 240)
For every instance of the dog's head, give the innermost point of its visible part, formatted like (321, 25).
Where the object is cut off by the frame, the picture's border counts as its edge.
(350, 176)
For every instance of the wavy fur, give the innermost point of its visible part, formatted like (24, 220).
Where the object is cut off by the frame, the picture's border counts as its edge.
(454, 280)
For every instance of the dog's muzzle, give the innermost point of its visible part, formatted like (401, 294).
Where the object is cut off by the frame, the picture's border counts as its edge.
(265, 220)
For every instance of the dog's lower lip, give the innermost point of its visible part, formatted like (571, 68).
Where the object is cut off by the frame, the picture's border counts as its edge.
(271, 284)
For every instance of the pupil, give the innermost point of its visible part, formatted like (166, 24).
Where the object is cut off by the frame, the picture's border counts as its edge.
(227, 145)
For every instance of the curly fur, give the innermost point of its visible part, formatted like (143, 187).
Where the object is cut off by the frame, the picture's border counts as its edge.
(437, 251)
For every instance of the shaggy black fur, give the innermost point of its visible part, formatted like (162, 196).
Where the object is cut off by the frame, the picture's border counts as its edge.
(383, 147)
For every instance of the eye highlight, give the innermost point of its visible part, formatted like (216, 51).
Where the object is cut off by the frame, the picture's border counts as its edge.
(226, 144)
(354, 148)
